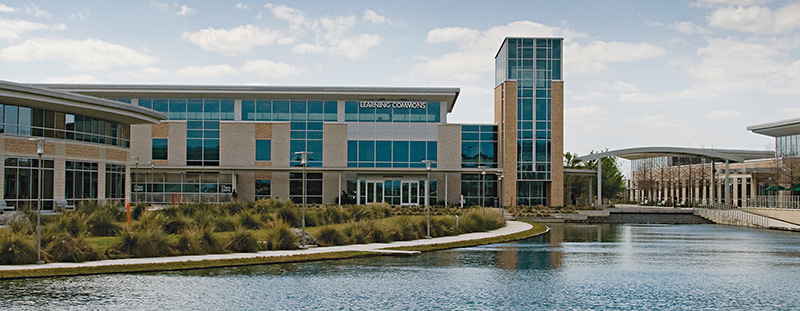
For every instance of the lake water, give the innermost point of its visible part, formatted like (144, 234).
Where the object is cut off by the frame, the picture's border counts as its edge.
(678, 267)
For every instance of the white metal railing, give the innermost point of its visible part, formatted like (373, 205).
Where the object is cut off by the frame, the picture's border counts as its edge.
(731, 215)
(774, 201)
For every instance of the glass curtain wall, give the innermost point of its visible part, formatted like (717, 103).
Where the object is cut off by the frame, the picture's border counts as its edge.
(390, 153)
(24, 121)
(80, 182)
(22, 182)
(177, 188)
(534, 63)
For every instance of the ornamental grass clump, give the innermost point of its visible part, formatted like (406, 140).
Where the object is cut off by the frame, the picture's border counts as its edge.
(359, 232)
(242, 241)
(141, 242)
(330, 236)
(177, 224)
(250, 221)
(75, 224)
(20, 223)
(102, 223)
(63, 247)
(225, 224)
(290, 216)
(279, 236)
(17, 249)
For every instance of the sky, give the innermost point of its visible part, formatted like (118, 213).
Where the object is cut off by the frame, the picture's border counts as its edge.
(636, 73)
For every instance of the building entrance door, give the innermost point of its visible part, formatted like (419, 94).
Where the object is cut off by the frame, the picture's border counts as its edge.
(370, 192)
(410, 193)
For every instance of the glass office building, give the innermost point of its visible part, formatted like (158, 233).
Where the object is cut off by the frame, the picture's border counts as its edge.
(363, 144)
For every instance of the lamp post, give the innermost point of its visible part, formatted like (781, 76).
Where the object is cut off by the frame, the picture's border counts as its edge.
(427, 195)
(483, 175)
(304, 162)
(500, 192)
(39, 151)
(136, 159)
(152, 181)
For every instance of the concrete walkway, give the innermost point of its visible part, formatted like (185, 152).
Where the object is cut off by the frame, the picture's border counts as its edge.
(510, 228)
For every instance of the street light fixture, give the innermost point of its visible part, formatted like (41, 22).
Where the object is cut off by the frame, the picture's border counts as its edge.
(304, 162)
(483, 175)
(39, 151)
(427, 195)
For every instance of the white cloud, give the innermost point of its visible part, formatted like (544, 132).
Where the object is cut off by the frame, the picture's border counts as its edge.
(757, 19)
(690, 28)
(145, 73)
(733, 65)
(295, 17)
(307, 48)
(586, 113)
(375, 18)
(725, 114)
(159, 5)
(88, 54)
(36, 11)
(207, 71)
(270, 69)
(13, 29)
(618, 86)
(241, 6)
(355, 47)
(595, 56)
(81, 78)
(7, 9)
(239, 40)
(81, 15)
(185, 10)
(637, 97)
(472, 56)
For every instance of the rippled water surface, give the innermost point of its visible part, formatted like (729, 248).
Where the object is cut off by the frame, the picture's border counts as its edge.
(626, 267)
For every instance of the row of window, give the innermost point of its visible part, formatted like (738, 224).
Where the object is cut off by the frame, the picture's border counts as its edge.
(80, 181)
(478, 145)
(353, 111)
(174, 188)
(479, 189)
(26, 121)
(388, 153)
(191, 109)
(285, 110)
(160, 150)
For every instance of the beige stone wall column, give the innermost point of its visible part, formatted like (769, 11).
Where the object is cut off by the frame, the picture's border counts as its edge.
(556, 198)
(505, 116)
(334, 144)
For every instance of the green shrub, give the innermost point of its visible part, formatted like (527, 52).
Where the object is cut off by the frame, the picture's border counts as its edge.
(16, 249)
(151, 220)
(225, 224)
(280, 237)
(102, 223)
(359, 232)
(63, 247)
(142, 242)
(249, 221)
(177, 224)
(290, 216)
(330, 236)
(75, 224)
(197, 240)
(242, 241)
(138, 210)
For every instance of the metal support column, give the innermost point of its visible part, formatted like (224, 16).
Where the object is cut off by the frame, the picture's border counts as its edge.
(600, 182)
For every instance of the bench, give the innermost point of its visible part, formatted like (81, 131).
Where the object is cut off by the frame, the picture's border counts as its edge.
(62, 205)
(4, 207)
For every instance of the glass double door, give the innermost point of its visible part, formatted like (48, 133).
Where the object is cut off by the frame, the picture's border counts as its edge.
(394, 192)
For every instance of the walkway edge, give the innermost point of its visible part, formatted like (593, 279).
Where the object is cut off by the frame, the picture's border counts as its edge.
(513, 230)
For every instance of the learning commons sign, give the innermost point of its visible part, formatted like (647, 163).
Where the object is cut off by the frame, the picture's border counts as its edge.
(392, 105)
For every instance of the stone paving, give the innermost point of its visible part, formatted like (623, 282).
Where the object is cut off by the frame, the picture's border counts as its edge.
(510, 228)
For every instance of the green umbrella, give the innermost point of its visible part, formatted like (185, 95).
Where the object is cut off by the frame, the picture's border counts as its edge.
(773, 188)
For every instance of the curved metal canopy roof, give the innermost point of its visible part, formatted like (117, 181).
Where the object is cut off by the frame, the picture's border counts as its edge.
(43, 98)
(654, 152)
(777, 128)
